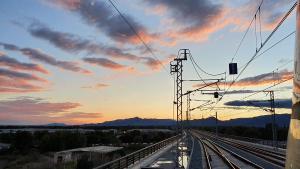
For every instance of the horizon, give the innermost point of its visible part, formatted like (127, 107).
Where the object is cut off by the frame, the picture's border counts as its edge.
(211, 117)
(78, 62)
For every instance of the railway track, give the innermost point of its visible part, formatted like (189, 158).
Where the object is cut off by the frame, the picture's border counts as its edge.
(223, 148)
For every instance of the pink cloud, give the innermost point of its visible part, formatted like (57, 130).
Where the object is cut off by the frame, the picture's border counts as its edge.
(39, 55)
(259, 80)
(39, 111)
(97, 86)
(17, 65)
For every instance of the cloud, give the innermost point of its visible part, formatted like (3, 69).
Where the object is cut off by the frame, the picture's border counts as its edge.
(264, 79)
(259, 80)
(40, 111)
(12, 81)
(74, 44)
(13, 85)
(82, 115)
(97, 86)
(239, 92)
(34, 106)
(271, 13)
(279, 103)
(19, 75)
(106, 63)
(194, 14)
(155, 64)
(19, 82)
(195, 21)
(157, 10)
(101, 15)
(285, 88)
(40, 56)
(17, 65)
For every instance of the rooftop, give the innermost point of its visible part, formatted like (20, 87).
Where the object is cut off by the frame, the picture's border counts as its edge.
(97, 149)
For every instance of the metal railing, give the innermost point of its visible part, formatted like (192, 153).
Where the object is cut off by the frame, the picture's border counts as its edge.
(126, 161)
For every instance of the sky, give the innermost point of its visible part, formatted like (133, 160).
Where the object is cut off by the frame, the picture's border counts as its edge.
(80, 61)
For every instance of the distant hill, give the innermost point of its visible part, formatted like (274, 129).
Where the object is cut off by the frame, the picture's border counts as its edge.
(260, 121)
(136, 121)
(56, 124)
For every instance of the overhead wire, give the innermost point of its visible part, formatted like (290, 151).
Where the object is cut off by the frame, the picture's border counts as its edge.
(255, 54)
(255, 33)
(268, 38)
(198, 74)
(259, 15)
(260, 91)
(262, 44)
(202, 70)
(282, 81)
(137, 34)
(246, 32)
(272, 46)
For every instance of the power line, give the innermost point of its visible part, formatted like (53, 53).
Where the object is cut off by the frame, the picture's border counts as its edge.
(265, 88)
(285, 80)
(202, 70)
(275, 44)
(246, 32)
(137, 34)
(257, 51)
(198, 74)
(255, 54)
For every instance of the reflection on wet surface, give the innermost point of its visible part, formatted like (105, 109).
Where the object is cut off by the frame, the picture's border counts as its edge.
(166, 161)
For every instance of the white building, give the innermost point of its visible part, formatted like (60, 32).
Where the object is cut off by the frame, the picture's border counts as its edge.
(96, 154)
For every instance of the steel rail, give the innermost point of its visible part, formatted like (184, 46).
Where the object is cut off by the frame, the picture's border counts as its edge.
(253, 164)
(219, 154)
(264, 154)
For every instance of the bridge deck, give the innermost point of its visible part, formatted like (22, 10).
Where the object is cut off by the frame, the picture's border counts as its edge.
(196, 156)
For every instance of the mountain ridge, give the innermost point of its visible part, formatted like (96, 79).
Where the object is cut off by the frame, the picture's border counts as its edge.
(258, 121)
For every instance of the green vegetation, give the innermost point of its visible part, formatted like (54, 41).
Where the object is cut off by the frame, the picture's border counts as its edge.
(35, 149)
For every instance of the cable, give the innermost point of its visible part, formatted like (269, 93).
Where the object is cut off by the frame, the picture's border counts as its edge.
(197, 70)
(268, 87)
(275, 44)
(255, 33)
(259, 14)
(246, 32)
(281, 40)
(192, 58)
(137, 34)
(255, 54)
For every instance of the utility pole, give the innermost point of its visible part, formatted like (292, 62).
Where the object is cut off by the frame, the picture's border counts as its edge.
(272, 110)
(176, 67)
(188, 102)
(274, 126)
(293, 144)
(216, 123)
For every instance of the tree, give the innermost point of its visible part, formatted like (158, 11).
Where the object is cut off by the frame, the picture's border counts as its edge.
(23, 141)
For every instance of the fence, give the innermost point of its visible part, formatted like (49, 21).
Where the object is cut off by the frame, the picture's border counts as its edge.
(126, 161)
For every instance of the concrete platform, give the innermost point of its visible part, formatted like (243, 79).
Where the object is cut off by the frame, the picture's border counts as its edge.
(196, 159)
(163, 157)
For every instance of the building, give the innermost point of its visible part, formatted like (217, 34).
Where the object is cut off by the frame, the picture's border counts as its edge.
(97, 154)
